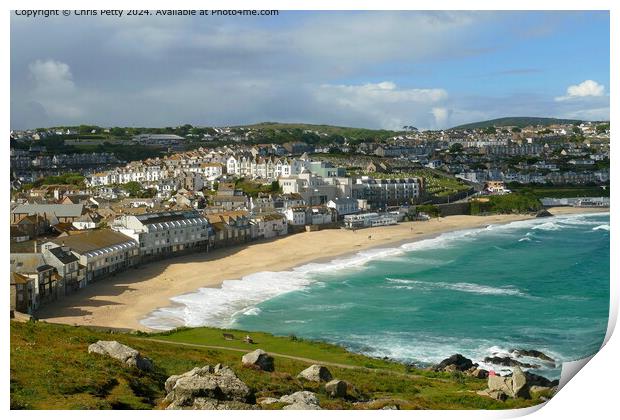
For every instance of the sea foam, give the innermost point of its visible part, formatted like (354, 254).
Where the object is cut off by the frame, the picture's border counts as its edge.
(459, 287)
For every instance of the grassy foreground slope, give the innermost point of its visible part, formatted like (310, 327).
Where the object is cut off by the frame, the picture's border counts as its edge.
(51, 369)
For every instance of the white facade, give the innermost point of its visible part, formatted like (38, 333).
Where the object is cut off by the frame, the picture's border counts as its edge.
(166, 232)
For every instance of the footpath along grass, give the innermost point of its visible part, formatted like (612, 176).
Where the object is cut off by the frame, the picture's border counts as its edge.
(51, 369)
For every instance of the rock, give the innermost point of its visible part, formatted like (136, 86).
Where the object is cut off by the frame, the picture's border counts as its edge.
(390, 407)
(477, 373)
(500, 383)
(507, 361)
(206, 388)
(534, 379)
(336, 388)
(520, 388)
(532, 353)
(212, 404)
(316, 373)
(125, 354)
(515, 386)
(497, 395)
(454, 363)
(258, 359)
(301, 400)
(543, 213)
(268, 401)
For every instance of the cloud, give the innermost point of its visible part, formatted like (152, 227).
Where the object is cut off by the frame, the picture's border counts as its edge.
(381, 104)
(353, 68)
(584, 89)
(442, 116)
(51, 75)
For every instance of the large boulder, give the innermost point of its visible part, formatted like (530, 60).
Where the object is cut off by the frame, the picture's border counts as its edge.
(207, 387)
(520, 387)
(336, 388)
(456, 362)
(211, 404)
(515, 386)
(316, 373)
(301, 400)
(118, 351)
(258, 359)
(500, 383)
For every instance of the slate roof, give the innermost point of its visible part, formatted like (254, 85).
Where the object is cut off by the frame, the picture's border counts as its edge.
(60, 210)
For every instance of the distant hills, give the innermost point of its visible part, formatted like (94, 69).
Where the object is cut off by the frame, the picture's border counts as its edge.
(516, 121)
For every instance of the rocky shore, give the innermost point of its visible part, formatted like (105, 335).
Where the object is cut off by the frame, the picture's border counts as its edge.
(517, 384)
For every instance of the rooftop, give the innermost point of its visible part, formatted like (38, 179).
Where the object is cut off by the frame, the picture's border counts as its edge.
(60, 210)
(94, 240)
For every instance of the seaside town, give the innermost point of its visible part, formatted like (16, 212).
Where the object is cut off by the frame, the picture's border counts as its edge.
(88, 202)
(299, 209)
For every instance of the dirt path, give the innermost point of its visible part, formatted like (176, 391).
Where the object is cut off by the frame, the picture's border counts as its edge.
(287, 356)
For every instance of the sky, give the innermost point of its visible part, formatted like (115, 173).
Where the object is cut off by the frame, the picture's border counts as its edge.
(430, 70)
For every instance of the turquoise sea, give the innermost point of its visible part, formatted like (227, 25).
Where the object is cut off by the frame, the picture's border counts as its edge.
(539, 284)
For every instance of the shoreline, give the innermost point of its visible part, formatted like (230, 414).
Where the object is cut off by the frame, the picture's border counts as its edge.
(122, 301)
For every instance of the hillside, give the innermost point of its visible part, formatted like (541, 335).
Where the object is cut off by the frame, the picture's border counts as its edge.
(351, 132)
(515, 121)
(51, 369)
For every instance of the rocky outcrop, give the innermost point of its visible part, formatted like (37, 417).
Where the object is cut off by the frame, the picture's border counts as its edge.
(336, 388)
(125, 354)
(258, 359)
(503, 387)
(543, 213)
(316, 373)
(456, 362)
(477, 372)
(537, 380)
(508, 361)
(532, 353)
(301, 400)
(207, 388)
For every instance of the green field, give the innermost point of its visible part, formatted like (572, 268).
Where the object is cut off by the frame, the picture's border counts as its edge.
(561, 191)
(51, 369)
(435, 183)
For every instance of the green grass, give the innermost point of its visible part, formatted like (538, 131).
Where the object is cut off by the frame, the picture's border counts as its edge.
(435, 183)
(561, 191)
(51, 369)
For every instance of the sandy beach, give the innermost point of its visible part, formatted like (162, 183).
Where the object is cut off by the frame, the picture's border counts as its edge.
(123, 300)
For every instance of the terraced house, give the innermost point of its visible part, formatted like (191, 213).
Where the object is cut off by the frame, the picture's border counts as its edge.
(100, 252)
(230, 228)
(165, 233)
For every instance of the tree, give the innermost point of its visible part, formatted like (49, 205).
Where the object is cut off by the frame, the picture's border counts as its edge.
(456, 148)
(133, 188)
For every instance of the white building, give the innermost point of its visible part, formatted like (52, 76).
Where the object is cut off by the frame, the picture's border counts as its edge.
(166, 232)
(358, 221)
(344, 206)
(296, 216)
(270, 225)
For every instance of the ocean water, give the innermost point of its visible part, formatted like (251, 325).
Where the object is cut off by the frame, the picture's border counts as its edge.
(539, 284)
